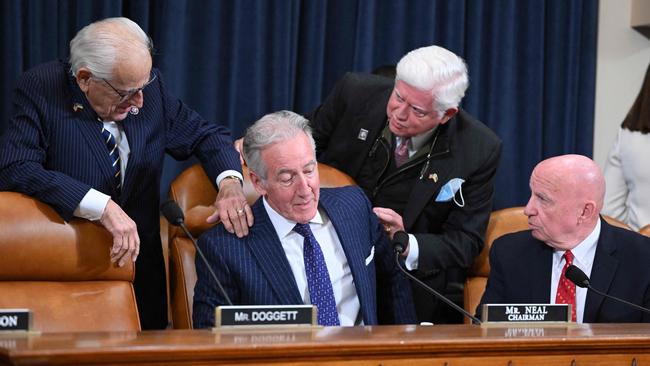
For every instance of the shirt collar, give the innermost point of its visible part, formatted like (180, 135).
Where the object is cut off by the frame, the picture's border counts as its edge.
(283, 226)
(417, 141)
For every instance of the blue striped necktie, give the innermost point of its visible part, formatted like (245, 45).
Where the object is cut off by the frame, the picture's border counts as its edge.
(318, 278)
(114, 154)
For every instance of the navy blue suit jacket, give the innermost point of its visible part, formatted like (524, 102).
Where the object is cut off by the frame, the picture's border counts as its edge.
(254, 270)
(56, 154)
(520, 272)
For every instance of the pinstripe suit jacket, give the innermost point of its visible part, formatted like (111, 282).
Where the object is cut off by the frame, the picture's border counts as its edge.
(254, 270)
(56, 154)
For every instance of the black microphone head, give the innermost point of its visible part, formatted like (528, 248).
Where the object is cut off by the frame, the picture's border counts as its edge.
(575, 275)
(172, 212)
(400, 241)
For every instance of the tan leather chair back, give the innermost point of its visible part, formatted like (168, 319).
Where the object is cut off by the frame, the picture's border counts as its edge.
(645, 230)
(505, 221)
(195, 193)
(62, 271)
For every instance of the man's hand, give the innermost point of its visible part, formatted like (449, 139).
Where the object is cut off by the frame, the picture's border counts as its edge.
(126, 242)
(239, 146)
(232, 208)
(392, 222)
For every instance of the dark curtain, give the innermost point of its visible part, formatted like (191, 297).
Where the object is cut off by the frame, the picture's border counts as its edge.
(532, 64)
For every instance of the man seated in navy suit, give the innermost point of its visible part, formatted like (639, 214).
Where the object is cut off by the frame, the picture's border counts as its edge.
(83, 140)
(566, 228)
(308, 245)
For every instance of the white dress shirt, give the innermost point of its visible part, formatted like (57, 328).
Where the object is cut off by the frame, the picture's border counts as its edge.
(583, 258)
(345, 294)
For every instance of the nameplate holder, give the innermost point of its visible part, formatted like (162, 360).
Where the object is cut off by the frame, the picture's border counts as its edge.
(266, 316)
(15, 320)
(526, 314)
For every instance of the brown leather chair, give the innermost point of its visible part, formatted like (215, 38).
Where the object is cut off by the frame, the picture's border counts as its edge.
(645, 230)
(194, 193)
(62, 271)
(505, 221)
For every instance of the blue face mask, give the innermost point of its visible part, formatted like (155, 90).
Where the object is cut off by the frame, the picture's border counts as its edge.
(448, 192)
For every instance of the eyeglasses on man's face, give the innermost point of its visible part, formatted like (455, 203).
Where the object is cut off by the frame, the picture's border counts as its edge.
(128, 94)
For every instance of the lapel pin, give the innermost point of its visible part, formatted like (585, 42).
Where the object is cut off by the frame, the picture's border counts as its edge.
(434, 177)
(134, 110)
(77, 107)
(363, 134)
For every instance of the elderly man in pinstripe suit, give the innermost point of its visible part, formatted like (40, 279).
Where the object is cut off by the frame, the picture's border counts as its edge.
(83, 140)
(307, 246)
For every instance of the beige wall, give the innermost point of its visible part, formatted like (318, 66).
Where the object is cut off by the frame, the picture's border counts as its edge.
(623, 56)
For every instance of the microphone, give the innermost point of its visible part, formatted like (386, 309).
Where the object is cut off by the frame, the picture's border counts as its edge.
(575, 275)
(400, 243)
(174, 215)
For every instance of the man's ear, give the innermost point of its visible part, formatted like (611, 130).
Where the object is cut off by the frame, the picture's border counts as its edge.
(589, 211)
(449, 114)
(83, 77)
(258, 183)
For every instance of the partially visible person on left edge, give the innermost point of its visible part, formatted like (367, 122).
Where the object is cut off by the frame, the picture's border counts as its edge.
(529, 267)
(309, 245)
(88, 137)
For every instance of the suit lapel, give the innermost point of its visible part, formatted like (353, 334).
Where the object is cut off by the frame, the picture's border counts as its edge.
(424, 189)
(87, 122)
(368, 120)
(346, 228)
(602, 272)
(539, 275)
(134, 128)
(265, 246)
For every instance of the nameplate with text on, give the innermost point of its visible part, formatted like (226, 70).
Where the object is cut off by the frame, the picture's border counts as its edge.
(15, 320)
(526, 313)
(265, 315)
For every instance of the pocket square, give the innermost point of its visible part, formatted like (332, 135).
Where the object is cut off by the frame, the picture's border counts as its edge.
(371, 256)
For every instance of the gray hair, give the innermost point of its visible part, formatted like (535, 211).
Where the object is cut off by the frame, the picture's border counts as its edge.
(438, 70)
(271, 129)
(100, 45)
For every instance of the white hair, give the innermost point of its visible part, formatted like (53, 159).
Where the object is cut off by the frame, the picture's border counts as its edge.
(437, 70)
(100, 45)
(271, 129)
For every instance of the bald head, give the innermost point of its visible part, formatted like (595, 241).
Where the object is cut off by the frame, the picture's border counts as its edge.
(576, 174)
(567, 194)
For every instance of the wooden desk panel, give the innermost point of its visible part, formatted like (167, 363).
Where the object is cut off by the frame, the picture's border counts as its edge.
(597, 344)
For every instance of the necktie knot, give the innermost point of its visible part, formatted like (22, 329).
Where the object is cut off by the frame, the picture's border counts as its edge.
(568, 257)
(402, 151)
(303, 230)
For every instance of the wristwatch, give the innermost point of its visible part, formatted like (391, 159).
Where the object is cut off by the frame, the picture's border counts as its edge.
(233, 177)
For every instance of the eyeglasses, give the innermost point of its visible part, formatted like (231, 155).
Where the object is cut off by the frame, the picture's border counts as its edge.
(128, 94)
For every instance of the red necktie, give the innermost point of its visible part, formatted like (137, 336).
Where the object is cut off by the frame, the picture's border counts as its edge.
(566, 290)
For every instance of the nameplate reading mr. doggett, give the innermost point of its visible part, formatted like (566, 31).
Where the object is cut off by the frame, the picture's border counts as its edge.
(265, 315)
(526, 313)
(15, 320)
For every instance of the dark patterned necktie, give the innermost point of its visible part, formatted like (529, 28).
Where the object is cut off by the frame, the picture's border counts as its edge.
(402, 152)
(114, 154)
(318, 278)
(566, 290)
